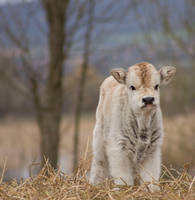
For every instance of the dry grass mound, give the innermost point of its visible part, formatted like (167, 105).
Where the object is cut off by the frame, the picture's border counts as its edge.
(51, 184)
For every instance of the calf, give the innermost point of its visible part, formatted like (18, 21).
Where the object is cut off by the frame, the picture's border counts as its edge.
(128, 133)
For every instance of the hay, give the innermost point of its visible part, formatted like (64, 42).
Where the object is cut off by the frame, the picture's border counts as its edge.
(51, 184)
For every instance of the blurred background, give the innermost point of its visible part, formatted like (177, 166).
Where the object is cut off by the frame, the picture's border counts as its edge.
(53, 58)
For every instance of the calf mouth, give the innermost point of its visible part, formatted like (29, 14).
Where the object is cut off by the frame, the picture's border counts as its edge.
(148, 106)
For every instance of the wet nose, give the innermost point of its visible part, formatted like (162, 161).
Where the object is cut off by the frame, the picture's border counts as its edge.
(148, 100)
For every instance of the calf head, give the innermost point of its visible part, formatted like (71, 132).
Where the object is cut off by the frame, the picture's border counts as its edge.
(143, 82)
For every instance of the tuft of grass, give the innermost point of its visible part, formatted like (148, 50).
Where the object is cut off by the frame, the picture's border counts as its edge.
(53, 184)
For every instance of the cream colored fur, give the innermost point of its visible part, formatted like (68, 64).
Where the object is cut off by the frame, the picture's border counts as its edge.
(127, 137)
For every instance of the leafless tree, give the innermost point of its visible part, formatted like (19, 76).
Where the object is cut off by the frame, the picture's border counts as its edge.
(171, 22)
(46, 91)
(82, 80)
(42, 83)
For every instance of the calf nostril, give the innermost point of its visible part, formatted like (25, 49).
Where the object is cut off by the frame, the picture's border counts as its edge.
(148, 100)
(152, 99)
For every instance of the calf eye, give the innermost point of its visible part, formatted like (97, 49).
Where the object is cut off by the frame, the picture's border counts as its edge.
(156, 87)
(132, 87)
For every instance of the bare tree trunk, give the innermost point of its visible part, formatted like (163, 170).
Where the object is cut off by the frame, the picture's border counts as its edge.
(50, 115)
(82, 81)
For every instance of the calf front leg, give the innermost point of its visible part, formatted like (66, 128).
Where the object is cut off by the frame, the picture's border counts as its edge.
(120, 166)
(150, 170)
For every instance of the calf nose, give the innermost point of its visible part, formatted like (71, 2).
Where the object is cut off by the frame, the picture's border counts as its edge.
(148, 100)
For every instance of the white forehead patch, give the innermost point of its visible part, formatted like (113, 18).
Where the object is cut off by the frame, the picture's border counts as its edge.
(143, 75)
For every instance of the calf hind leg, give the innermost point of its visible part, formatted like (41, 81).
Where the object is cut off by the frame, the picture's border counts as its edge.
(99, 167)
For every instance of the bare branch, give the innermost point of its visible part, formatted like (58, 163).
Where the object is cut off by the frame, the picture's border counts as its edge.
(101, 18)
(14, 83)
(72, 30)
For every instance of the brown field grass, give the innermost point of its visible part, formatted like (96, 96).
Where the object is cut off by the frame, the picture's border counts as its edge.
(19, 141)
(179, 143)
(55, 185)
(20, 147)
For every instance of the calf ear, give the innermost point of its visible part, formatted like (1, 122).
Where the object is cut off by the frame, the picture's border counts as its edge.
(119, 74)
(166, 74)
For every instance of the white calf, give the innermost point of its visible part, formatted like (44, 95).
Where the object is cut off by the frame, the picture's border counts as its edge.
(128, 133)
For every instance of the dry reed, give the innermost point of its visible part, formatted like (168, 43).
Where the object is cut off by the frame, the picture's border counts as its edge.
(51, 184)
